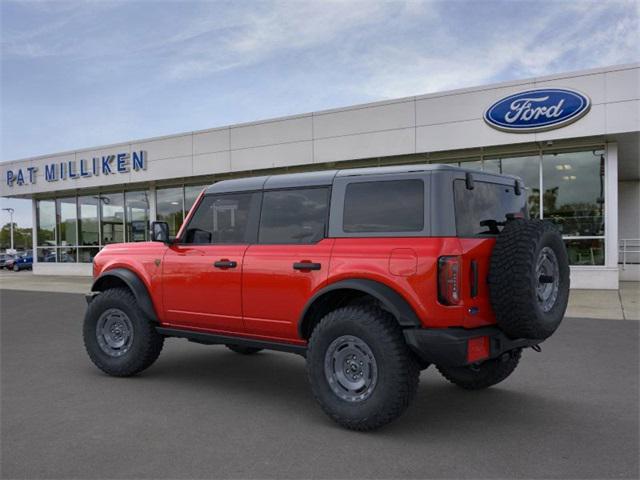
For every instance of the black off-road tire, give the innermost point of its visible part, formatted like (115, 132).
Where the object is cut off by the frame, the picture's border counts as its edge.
(243, 350)
(484, 375)
(397, 370)
(513, 280)
(146, 343)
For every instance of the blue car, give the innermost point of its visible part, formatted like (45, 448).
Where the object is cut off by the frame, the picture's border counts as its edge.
(23, 262)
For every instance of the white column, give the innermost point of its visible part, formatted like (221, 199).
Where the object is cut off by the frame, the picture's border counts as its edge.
(34, 232)
(611, 206)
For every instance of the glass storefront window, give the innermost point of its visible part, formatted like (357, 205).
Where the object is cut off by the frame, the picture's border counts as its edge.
(585, 251)
(86, 254)
(46, 218)
(67, 221)
(191, 193)
(169, 207)
(88, 221)
(527, 168)
(66, 255)
(574, 192)
(137, 216)
(112, 218)
(46, 255)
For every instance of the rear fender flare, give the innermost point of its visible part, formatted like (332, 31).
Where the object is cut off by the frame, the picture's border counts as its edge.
(389, 298)
(135, 284)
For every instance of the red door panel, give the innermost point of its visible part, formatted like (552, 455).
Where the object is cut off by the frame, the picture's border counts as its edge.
(275, 291)
(197, 293)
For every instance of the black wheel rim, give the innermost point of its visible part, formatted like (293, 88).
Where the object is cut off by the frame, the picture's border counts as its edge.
(548, 279)
(114, 332)
(350, 368)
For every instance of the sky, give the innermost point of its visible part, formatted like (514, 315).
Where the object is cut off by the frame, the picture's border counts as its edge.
(87, 73)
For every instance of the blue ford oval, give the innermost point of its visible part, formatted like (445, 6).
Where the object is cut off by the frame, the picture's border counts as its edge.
(537, 110)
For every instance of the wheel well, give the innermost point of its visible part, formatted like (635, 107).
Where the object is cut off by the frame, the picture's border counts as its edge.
(107, 282)
(331, 301)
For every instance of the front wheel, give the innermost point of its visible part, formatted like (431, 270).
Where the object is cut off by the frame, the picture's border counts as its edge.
(119, 339)
(477, 377)
(360, 369)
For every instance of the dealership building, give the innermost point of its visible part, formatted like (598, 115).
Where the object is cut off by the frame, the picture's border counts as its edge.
(573, 138)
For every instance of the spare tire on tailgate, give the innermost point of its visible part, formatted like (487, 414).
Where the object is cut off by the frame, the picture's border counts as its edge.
(529, 279)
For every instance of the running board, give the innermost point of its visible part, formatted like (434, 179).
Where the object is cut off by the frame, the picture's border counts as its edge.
(215, 339)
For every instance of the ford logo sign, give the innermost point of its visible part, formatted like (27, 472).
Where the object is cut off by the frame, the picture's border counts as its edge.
(537, 110)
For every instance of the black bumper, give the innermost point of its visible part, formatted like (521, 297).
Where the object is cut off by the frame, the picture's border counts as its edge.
(448, 346)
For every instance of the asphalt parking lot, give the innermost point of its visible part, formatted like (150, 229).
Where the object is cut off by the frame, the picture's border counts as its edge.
(203, 412)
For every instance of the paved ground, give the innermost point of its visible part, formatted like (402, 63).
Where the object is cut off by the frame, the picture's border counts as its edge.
(568, 412)
(612, 304)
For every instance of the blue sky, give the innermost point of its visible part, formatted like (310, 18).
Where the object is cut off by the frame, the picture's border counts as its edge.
(80, 74)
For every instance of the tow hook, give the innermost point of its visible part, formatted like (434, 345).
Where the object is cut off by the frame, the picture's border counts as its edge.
(536, 348)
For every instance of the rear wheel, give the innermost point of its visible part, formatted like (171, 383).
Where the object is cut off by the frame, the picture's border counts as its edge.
(477, 377)
(16, 268)
(119, 339)
(361, 371)
(243, 350)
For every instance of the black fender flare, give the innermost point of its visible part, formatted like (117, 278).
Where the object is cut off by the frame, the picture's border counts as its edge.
(389, 298)
(135, 284)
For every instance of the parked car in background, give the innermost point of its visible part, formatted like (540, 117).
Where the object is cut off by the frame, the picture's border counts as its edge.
(4, 259)
(22, 262)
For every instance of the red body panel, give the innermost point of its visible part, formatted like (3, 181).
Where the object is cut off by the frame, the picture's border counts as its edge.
(264, 295)
(273, 293)
(196, 293)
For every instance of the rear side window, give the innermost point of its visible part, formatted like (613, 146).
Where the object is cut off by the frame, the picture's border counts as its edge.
(294, 216)
(387, 206)
(223, 219)
(483, 210)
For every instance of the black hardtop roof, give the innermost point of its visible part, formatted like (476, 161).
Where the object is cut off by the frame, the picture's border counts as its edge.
(326, 177)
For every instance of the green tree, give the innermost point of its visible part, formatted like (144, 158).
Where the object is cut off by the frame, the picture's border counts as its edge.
(22, 237)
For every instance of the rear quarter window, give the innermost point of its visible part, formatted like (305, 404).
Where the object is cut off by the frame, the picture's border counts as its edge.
(384, 206)
(480, 211)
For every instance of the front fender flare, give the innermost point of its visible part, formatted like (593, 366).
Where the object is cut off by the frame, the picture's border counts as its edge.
(135, 284)
(389, 298)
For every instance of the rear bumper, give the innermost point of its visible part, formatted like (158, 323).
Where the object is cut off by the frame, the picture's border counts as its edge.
(449, 346)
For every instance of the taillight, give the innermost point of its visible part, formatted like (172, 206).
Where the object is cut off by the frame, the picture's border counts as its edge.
(449, 280)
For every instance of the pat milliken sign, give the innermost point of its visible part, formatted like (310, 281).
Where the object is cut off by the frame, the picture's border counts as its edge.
(537, 110)
(105, 165)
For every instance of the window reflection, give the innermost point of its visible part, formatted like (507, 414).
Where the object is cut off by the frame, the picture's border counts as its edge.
(574, 192)
(112, 215)
(191, 193)
(67, 221)
(46, 219)
(88, 220)
(527, 168)
(585, 251)
(169, 207)
(137, 216)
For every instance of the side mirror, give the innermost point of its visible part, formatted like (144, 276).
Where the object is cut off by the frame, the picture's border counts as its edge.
(160, 232)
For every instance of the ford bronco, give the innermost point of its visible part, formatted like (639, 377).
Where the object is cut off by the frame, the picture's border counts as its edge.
(371, 274)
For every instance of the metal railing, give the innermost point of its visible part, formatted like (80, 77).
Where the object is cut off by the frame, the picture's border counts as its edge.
(628, 246)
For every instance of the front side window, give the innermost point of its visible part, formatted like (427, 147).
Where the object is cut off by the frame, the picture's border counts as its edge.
(296, 216)
(484, 209)
(385, 206)
(222, 219)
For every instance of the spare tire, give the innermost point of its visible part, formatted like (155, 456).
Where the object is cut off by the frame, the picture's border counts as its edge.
(529, 279)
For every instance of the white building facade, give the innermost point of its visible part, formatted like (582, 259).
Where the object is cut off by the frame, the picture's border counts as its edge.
(581, 172)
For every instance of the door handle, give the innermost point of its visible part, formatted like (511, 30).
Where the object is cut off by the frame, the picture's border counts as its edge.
(306, 266)
(225, 264)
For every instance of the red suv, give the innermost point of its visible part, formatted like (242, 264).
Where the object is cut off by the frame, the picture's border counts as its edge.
(371, 274)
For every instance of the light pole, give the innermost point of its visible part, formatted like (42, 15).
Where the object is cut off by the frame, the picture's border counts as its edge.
(10, 210)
